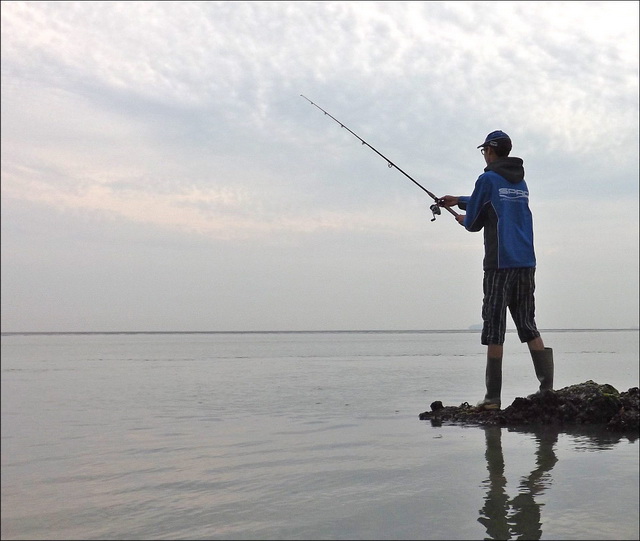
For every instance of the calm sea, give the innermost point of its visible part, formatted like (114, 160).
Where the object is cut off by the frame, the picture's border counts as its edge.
(301, 436)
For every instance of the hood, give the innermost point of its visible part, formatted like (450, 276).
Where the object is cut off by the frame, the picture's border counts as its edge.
(509, 168)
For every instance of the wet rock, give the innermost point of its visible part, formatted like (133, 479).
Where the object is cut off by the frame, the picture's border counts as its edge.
(586, 403)
(437, 405)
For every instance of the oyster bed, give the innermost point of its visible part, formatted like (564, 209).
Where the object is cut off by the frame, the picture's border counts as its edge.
(587, 403)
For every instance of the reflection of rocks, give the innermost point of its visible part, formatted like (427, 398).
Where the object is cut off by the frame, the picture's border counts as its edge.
(584, 404)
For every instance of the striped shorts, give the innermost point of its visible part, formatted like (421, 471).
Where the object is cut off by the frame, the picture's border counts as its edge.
(513, 289)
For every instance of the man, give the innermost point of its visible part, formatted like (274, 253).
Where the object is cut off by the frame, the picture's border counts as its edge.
(499, 204)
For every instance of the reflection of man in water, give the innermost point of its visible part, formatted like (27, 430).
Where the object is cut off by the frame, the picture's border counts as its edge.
(518, 518)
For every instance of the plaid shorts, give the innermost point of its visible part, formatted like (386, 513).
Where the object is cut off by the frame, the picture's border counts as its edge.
(513, 289)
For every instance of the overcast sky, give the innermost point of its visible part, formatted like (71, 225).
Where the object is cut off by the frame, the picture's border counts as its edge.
(161, 171)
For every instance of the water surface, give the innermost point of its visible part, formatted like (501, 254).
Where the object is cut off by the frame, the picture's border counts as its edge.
(301, 436)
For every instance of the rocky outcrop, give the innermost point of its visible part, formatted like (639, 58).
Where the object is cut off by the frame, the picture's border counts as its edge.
(586, 403)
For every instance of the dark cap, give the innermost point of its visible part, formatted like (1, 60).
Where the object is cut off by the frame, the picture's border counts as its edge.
(497, 139)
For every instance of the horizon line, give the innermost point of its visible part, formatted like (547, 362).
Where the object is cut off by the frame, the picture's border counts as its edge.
(327, 331)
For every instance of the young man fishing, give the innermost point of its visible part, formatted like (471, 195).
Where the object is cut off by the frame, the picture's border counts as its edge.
(499, 204)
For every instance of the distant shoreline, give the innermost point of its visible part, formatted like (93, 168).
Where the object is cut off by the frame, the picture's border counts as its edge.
(370, 331)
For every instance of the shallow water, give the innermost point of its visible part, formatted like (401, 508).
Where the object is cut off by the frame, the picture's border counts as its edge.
(301, 436)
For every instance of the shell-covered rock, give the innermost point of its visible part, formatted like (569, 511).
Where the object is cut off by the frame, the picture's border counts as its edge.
(587, 403)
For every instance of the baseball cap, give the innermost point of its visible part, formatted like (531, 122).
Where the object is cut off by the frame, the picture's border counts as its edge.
(497, 138)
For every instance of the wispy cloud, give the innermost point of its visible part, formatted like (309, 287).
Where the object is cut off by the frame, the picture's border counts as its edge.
(185, 117)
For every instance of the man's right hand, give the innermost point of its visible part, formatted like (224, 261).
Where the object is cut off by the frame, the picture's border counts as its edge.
(448, 201)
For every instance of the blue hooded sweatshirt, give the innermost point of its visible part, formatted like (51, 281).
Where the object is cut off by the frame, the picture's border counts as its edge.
(499, 204)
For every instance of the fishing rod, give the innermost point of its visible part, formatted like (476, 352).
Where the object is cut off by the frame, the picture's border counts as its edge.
(435, 208)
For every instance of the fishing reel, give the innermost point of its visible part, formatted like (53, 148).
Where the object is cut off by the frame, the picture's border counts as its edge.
(435, 209)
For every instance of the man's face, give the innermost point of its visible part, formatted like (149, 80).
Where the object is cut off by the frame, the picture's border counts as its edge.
(488, 154)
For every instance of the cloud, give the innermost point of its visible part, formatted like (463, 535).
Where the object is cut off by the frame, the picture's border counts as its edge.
(150, 121)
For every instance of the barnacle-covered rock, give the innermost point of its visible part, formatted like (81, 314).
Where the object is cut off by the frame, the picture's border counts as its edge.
(587, 403)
